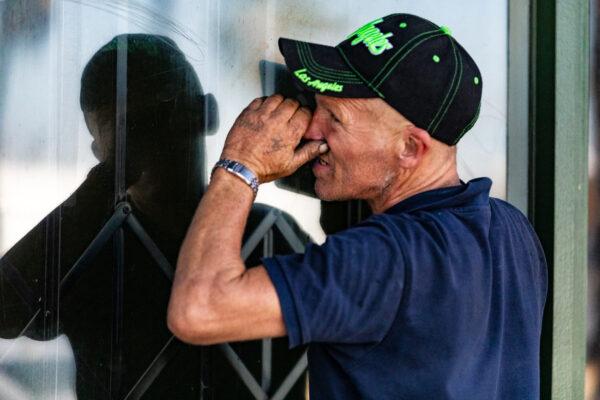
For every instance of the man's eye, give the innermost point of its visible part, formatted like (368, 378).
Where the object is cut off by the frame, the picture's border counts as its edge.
(335, 119)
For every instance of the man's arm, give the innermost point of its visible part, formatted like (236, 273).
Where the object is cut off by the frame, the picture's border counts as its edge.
(214, 297)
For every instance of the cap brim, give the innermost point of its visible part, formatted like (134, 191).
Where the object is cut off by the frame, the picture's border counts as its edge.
(321, 69)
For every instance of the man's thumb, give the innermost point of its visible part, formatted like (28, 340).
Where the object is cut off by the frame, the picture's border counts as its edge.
(309, 151)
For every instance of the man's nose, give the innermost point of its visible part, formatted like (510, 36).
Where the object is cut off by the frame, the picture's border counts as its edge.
(314, 131)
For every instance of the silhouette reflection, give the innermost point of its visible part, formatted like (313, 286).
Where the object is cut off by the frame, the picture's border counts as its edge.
(149, 141)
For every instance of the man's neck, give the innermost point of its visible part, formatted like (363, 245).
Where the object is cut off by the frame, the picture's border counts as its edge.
(408, 184)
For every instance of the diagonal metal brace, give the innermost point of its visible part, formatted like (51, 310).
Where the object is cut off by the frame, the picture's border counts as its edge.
(158, 256)
(16, 280)
(259, 232)
(122, 211)
(289, 235)
(166, 354)
(291, 379)
(252, 384)
(243, 372)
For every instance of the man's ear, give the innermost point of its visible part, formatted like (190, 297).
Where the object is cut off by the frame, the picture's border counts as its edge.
(416, 144)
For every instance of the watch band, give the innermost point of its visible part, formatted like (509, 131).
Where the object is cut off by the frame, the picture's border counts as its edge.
(239, 170)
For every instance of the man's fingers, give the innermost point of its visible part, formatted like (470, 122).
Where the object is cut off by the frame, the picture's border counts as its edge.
(272, 102)
(300, 121)
(255, 104)
(286, 109)
(310, 150)
(302, 115)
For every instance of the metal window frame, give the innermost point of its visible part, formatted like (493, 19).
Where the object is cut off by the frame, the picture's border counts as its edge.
(517, 158)
(557, 195)
(114, 229)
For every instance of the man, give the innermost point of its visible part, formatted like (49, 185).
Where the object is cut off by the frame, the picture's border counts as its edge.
(438, 295)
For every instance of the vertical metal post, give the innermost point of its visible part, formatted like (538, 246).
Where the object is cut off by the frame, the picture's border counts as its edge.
(121, 120)
(119, 237)
(116, 349)
(518, 104)
(558, 184)
(51, 294)
(267, 344)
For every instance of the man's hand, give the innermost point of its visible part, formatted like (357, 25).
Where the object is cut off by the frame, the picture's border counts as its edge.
(265, 136)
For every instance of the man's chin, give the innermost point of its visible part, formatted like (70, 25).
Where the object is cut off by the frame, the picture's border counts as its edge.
(326, 194)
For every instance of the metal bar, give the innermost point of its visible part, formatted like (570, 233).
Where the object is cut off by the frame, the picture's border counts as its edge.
(558, 185)
(517, 156)
(116, 349)
(268, 243)
(15, 279)
(151, 246)
(289, 235)
(111, 226)
(121, 120)
(243, 372)
(166, 354)
(258, 233)
(267, 357)
(52, 275)
(267, 344)
(51, 305)
(290, 380)
(31, 321)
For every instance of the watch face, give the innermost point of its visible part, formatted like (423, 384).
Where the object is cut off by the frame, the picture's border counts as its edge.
(237, 167)
(240, 171)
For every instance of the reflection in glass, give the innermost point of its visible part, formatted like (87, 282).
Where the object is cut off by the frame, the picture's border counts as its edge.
(113, 310)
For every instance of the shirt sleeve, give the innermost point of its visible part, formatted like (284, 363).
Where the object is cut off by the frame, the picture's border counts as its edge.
(347, 290)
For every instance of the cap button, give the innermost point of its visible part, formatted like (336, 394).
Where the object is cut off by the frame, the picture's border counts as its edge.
(446, 30)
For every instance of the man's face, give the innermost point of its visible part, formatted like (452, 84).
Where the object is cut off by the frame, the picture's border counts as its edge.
(364, 144)
(101, 127)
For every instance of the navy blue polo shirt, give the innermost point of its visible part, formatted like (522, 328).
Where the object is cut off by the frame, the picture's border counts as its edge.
(439, 297)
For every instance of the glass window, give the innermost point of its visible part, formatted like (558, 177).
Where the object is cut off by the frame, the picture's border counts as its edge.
(112, 114)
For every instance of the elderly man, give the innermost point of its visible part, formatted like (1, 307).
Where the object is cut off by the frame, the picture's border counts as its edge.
(438, 295)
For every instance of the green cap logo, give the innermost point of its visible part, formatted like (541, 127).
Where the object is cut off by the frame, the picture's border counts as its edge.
(318, 84)
(372, 37)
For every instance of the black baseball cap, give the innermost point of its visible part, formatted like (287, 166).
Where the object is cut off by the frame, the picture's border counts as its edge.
(414, 65)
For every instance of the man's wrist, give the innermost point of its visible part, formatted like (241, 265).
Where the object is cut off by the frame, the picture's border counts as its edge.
(240, 171)
(221, 177)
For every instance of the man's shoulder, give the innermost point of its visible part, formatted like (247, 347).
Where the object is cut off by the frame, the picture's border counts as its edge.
(504, 209)
(377, 224)
(505, 205)
(392, 232)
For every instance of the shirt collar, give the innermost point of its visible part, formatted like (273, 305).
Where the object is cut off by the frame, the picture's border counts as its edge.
(476, 192)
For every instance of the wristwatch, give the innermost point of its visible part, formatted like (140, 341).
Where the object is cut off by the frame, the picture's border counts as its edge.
(239, 170)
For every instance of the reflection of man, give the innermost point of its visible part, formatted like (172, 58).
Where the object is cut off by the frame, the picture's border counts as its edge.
(438, 295)
(166, 124)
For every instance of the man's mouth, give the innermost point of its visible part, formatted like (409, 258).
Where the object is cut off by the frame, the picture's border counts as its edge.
(322, 162)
